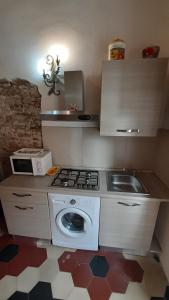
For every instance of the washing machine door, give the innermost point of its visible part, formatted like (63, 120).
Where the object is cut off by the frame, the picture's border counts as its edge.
(73, 222)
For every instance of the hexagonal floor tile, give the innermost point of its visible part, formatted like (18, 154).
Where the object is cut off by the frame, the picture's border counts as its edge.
(41, 291)
(48, 270)
(27, 256)
(79, 294)
(99, 266)
(16, 239)
(99, 289)
(5, 240)
(113, 257)
(84, 256)
(62, 285)
(136, 291)
(14, 258)
(3, 269)
(36, 256)
(167, 293)
(18, 264)
(19, 296)
(82, 275)
(118, 281)
(7, 287)
(158, 298)
(9, 252)
(132, 269)
(67, 262)
(27, 279)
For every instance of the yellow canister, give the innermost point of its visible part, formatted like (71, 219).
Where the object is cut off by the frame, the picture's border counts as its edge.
(116, 49)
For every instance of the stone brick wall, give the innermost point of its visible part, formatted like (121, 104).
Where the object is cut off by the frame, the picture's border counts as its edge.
(20, 126)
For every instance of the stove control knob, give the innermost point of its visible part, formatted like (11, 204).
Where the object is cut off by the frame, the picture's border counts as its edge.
(72, 201)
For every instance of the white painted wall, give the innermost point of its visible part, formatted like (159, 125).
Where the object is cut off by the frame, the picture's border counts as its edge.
(28, 28)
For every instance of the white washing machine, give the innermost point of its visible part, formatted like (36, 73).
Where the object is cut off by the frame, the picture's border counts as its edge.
(74, 221)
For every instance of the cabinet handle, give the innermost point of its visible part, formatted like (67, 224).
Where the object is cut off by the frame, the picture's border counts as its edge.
(130, 130)
(24, 208)
(126, 204)
(21, 195)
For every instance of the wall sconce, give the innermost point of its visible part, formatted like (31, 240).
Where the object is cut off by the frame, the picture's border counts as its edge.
(52, 78)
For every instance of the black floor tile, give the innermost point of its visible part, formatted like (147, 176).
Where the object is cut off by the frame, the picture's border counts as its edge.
(158, 298)
(167, 293)
(41, 291)
(19, 296)
(9, 252)
(99, 266)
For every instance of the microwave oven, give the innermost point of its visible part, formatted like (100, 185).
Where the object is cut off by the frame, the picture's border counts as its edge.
(28, 161)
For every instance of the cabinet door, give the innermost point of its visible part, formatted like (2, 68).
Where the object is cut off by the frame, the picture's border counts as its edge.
(127, 223)
(26, 213)
(132, 96)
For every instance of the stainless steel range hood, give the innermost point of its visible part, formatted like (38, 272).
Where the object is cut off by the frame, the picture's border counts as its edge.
(67, 118)
(72, 94)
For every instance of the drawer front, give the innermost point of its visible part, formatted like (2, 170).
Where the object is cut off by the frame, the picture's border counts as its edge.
(127, 224)
(29, 226)
(27, 218)
(18, 208)
(24, 197)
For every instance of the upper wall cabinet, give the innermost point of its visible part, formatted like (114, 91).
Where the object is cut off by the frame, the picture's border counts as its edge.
(132, 96)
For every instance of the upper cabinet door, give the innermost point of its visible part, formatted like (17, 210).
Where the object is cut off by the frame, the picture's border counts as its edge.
(132, 96)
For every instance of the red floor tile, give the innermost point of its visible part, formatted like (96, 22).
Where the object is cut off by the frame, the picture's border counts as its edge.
(15, 239)
(3, 225)
(24, 240)
(16, 266)
(28, 256)
(118, 281)
(113, 257)
(132, 269)
(99, 289)
(82, 275)
(36, 256)
(3, 269)
(5, 240)
(83, 256)
(67, 262)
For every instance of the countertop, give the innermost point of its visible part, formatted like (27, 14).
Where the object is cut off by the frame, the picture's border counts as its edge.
(157, 189)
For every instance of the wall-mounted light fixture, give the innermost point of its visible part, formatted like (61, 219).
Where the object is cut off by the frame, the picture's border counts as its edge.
(51, 79)
(53, 74)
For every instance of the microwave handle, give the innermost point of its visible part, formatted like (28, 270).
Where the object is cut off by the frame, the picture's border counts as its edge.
(21, 195)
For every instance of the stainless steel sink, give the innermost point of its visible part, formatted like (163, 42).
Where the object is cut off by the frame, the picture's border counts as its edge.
(124, 182)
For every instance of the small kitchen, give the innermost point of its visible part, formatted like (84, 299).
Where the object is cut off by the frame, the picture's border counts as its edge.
(105, 130)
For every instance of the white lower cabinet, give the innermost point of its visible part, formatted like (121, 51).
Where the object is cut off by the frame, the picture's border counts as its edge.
(127, 223)
(26, 213)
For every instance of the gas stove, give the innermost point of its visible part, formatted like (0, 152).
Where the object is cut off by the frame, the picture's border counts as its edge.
(77, 179)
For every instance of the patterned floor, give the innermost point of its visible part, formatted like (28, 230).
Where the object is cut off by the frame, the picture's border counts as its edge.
(28, 272)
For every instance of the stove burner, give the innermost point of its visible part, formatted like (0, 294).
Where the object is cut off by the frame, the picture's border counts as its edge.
(77, 179)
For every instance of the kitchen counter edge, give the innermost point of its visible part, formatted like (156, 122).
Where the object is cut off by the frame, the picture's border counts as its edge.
(157, 189)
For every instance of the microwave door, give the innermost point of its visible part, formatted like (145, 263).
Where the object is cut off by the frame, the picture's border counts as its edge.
(22, 166)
